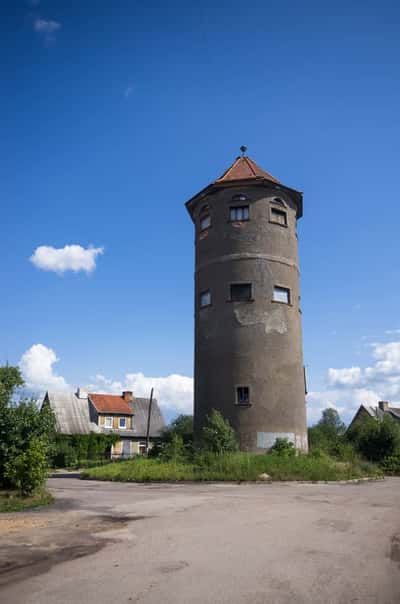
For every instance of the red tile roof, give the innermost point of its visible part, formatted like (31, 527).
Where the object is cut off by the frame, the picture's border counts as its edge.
(110, 403)
(244, 168)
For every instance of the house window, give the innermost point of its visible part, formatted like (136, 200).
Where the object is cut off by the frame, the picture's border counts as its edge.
(281, 294)
(205, 298)
(205, 222)
(241, 292)
(239, 213)
(242, 395)
(278, 216)
(108, 422)
(142, 448)
(122, 423)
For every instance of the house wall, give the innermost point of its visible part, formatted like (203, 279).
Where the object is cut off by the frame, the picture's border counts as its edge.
(129, 420)
(136, 447)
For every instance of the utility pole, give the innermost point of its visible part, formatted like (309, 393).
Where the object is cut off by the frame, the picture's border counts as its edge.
(148, 421)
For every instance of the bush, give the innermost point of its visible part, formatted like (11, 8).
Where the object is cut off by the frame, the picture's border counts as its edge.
(283, 447)
(391, 465)
(71, 451)
(174, 450)
(218, 436)
(27, 470)
(376, 440)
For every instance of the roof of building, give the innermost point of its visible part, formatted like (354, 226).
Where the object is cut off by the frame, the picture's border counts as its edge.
(244, 168)
(110, 403)
(377, 412)
(140, 408)
(71, 413)
(245, 171)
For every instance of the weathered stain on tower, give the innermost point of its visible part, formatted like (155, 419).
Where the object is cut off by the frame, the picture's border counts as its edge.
(248, 343)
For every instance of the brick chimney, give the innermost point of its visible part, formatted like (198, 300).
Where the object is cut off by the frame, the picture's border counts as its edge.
(383, 405)
(127, 395)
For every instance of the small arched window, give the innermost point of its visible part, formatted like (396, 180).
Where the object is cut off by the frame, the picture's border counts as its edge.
(240, 197)
(278, 214)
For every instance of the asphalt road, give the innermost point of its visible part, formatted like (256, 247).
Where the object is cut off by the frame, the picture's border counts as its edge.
(205, 544)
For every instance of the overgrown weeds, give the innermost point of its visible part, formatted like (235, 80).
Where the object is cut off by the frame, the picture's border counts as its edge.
(235, 467)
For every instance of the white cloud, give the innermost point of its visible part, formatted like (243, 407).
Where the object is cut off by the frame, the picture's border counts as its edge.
(174, 392)
(344, 377)
(37, 368)
(69, 258)
(46, 27)
(349, 387)
(392, 332)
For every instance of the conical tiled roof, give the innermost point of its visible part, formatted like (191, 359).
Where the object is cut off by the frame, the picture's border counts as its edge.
(244, 168)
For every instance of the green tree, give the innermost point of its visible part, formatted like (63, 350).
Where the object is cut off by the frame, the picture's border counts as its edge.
(10, 379)
(327, 433)
(25, 435)
(376, 439)
(218, 436)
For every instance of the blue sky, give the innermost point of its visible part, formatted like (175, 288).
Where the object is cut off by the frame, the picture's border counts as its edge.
(114, 114)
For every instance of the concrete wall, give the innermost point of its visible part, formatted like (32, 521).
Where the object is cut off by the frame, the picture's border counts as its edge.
(257, 343)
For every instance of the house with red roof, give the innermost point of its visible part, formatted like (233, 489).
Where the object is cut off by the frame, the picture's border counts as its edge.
(124, 415)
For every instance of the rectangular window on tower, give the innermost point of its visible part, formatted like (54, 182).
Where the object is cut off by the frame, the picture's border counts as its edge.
(281, 294)
(241, 292)
(205, 298)
(278, 216)
(239, 213)
(242, 395)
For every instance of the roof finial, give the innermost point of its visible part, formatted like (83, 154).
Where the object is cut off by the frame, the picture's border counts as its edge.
(243, 149)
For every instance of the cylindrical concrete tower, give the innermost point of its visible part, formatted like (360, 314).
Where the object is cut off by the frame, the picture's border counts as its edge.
(248, 343)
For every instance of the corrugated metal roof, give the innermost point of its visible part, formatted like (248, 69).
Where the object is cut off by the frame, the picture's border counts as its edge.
(71, 413)
(140, 408)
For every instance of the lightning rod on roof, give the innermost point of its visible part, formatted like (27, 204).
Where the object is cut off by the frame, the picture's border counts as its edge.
(243, 149)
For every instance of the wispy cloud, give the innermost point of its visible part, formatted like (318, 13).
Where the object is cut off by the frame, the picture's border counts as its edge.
(46, 28)
(73, 258)
(128, 91)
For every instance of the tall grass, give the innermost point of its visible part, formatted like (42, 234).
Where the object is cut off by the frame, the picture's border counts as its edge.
(232, 467)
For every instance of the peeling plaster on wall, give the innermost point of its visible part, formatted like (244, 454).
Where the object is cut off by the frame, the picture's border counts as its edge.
(272, 321)
(266, 440)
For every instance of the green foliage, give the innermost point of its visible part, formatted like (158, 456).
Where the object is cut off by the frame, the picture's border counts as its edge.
(26, 470)
(218, 436)
(376, 439)
(328, 433)
(391, 464)
(283, 447)
(181, 428)
(25, 435)
(174, 450)
(232, 467)
(76, 450)
(10, 380)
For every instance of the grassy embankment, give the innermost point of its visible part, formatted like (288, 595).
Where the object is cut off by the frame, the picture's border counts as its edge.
(12, 501)
(233, 467)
